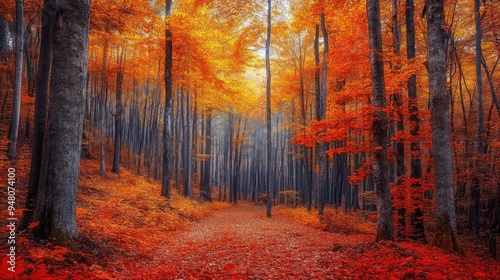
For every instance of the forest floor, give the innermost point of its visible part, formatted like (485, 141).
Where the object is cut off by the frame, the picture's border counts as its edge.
(127, 231)
(240, 242)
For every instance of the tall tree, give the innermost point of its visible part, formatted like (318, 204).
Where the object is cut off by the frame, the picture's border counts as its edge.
(206, 184)
(42, 88)
(446, 223)
(476, 189)
(268, 111)
(417, 219)
(321, 160)
(385, 228)
(102, 110)
(397, 97)
(56, 199)
(18, 76)
(167, 115)
(118, 111)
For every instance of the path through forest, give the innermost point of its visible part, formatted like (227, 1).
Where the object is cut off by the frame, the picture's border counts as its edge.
(240, 242)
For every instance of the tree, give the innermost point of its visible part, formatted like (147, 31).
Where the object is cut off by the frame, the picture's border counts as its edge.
(167, 115)
(321, 161)
(385, 228)
(268, 111)
(56, 198)
(206, 184)
(417, 219)
(119, 111)
(18, 77)
(446, 224)
(476, 189)
(42, 88)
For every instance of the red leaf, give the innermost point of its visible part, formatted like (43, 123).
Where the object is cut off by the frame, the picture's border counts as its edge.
(479, 274)
(33, 225)
(228, 266)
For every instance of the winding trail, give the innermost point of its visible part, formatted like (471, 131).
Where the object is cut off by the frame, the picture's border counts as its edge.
(240, 242)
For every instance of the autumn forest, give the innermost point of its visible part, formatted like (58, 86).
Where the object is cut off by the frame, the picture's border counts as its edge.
(278, 139)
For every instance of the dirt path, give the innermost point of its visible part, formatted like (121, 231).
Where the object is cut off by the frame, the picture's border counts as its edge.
(240, 242)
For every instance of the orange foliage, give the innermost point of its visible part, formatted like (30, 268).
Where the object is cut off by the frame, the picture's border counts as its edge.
(120, 219)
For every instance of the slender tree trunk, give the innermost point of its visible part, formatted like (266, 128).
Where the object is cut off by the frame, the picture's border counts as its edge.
(207, 190)
(446, 224)
(321, 160)
(118, 113)
(42, 88)
(385, 228)
(102, 111)
(188, 145)
(268, 111)
(476, 187)
(417, 219)
(27, 56)
(167, 115)
(399, 148)
(56, 199)
(18, 76)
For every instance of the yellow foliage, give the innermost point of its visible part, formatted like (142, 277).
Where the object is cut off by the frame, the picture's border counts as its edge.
(332, 220)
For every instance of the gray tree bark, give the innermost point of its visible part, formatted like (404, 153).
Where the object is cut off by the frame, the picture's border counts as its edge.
(18, 77)
(417, 219)
(56, 199)
(167, 115)
(42, 88)
(268, 111)
(446, 225)
(207, 189)
(385, 228)
(102, 111)
(118, 113)
(321, 160)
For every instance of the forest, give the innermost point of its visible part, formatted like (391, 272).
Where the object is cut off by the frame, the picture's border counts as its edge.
(245, 139)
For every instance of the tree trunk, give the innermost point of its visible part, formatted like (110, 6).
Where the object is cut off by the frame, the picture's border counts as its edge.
(385, 229)
(18, 76)
(268, 112)
(207, 190)
(40, 118)
(416, 216)
(167, 115)
(118, 114)
(398, 145)
(56, 199)
(476, 184)
(102, 111)
(321, 160)
(446, 225)
(188, 145)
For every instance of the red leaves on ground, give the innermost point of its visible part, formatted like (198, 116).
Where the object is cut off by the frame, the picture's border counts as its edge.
(229, 267)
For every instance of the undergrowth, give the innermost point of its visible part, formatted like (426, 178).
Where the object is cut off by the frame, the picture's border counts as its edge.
(332, 220)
